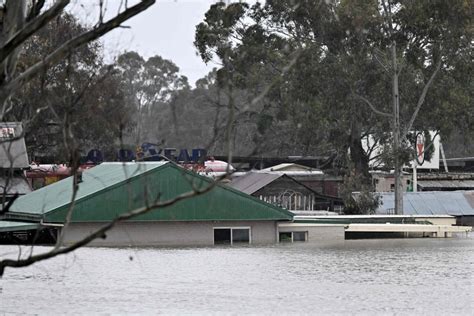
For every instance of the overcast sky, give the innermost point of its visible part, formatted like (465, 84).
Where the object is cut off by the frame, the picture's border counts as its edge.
(165, 29)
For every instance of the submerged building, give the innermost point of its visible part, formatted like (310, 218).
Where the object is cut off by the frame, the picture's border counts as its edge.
(459, 204)
(220, 215)
(283, 190)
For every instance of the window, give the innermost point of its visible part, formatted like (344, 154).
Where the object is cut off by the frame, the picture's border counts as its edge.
(222, 236)
(231, 235)
(240, 235)
(286, 237)
(299, 236)
(293, 236)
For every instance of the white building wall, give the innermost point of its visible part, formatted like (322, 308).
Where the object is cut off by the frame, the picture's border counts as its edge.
(169, 233)
(316, 232)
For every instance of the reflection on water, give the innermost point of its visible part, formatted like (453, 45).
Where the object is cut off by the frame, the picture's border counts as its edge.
(409, 276)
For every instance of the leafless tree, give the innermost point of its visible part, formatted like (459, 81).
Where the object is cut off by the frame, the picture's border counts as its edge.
(35, 15)
(19, 21)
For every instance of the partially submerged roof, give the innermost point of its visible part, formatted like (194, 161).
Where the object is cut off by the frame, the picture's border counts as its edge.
(256, 180)
(455, 203)
(111, 189)
(447, 184)
(6, 226)
(253, 181)
(12, 146)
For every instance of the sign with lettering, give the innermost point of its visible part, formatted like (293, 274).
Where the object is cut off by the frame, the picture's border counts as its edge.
(151, 153)
(148, 152)
(7, 132)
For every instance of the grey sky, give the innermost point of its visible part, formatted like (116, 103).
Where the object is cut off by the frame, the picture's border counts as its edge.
(165, 29)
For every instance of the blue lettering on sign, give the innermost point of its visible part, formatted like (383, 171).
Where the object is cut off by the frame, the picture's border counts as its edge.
(169, 153)
(199, 155)
(95, 156)
(151, 153)
(154, 155)
(184, 156)
(125, 155)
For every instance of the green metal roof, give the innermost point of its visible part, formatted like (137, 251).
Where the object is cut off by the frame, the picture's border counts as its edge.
(94, 180)
(111, 189)
(6, 226)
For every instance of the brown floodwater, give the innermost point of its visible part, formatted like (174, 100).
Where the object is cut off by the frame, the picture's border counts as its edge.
(406, 276)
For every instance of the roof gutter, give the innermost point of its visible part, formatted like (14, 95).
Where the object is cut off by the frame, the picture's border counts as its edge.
(42, 223)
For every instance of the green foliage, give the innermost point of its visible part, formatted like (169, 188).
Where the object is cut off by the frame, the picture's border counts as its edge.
(77, 95)
(342, 51)
(358, 196)
(148, 85)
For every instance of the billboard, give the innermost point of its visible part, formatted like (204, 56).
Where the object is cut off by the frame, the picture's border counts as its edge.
(423, 144)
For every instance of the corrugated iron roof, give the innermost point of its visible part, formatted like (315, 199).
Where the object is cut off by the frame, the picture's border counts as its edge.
(253, 181)
(430, 203)
(449, 184)
(287, 167)
(290, 168)
(94, 180)
(12, 152)
(111, 189)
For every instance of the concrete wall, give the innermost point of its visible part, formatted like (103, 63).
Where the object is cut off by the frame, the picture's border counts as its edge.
(386, 182)
(316, 232)
(169, 233)
(437, 220)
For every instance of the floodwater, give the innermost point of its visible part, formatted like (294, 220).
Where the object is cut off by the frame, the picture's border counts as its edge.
(406, 276)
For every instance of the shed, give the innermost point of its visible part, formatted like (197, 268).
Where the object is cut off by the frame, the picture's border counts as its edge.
(455, 203)
(285, 191)
(110, 189)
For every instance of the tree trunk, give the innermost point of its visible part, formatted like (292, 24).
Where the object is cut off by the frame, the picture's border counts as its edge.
(11, 21)
(398, 172)
(358, 155)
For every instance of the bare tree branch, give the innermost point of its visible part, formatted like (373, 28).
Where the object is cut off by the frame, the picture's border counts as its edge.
(31, 27)
(100, 233)
(371, 105)
(68, 47)
(421, 100)
(35, 9)
(284, 71)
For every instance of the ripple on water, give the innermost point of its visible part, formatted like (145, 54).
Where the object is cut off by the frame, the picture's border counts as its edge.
(357, 277)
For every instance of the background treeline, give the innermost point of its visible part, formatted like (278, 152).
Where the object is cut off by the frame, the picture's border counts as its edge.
(292, 81)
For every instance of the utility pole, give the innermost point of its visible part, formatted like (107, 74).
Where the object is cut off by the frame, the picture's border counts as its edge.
(396, 134)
